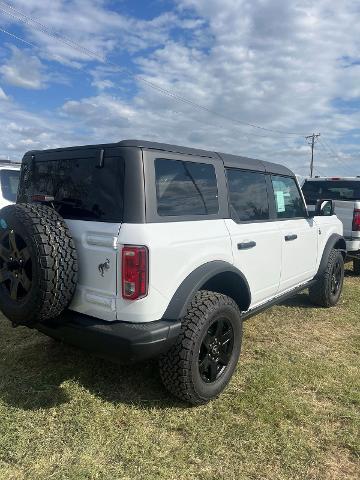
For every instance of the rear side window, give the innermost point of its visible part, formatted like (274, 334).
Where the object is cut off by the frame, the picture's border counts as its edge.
(247, 195)
(331, 190)
(9, 184)
(185, 188)
(288, 201)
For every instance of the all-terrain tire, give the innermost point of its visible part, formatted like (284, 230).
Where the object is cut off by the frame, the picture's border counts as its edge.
(356, 266)
(35, 247)
(179, 367)
(327, 290)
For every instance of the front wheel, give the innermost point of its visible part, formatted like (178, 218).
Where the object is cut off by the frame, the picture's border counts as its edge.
(327, 290)
(200, 364)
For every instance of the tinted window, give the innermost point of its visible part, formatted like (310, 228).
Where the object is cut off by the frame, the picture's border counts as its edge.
(9, 184)
(81, 190)
(288, 201)
(185, 188)
(331, 190)
(248, 195)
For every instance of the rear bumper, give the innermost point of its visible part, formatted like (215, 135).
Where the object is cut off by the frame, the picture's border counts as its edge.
(353, 247)
(120, 341)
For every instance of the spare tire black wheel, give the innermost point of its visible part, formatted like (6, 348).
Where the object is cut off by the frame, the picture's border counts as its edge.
(38, 263)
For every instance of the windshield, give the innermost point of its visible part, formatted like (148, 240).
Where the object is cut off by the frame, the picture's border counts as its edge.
(331, 190)
(9, 184)
(81, 189)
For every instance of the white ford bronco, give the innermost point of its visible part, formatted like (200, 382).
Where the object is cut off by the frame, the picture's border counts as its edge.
(138, 249)
(345, 192)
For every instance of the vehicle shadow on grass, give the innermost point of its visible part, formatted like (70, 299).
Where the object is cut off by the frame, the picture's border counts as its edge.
(38, 373)
(350, 273)
(303, 300)
(300, 300)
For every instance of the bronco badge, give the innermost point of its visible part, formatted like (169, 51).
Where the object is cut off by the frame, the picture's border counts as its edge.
(104, 266)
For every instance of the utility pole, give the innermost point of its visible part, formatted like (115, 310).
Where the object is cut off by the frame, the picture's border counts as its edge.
(313, 138)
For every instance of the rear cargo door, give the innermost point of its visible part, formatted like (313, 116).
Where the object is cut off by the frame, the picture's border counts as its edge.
(98, 260)
(86, 186)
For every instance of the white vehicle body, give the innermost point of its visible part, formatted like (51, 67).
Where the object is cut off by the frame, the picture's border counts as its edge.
(9, 178)
(345, 212)
(286, 254)
(346, 209)
(170, 244)
(140, 250)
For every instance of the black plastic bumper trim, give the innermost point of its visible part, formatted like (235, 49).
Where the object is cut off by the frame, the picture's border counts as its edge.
(119, 340)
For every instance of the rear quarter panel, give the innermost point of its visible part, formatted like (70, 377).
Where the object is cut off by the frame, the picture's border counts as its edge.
(175, 250)
(327, 226)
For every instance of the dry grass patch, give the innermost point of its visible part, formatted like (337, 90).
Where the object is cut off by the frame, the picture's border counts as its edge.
(291, 411)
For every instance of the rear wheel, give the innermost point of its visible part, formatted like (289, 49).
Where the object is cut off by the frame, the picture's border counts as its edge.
(327, 290)
(199, 366)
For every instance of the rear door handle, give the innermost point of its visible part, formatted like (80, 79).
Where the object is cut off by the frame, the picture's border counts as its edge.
(246, 245)
(288, 238)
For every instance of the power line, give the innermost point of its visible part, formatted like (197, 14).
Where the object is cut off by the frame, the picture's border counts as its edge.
(335, 154)
(326, 147)
(27, 20)
(331, 153)
(17, 38)
(24, 41)
(207, 122)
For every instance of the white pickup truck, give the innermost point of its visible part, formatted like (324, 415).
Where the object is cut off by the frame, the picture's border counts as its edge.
(345, 191)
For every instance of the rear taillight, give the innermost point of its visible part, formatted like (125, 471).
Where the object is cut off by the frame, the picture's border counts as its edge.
(135, 267)
(356, 220)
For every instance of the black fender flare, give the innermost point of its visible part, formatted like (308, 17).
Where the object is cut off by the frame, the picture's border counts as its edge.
(196, 280)
(334, 241)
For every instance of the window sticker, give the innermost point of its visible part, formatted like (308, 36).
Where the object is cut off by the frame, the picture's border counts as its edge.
(280, 201)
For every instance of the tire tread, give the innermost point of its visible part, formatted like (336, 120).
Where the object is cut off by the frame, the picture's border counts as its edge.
(175, 365)
(319, 292)
(57, 258)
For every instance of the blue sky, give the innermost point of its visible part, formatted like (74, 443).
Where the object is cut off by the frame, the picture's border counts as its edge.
(293, 67)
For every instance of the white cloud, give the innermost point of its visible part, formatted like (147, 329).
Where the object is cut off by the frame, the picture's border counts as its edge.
(3, 95)
(289, 66)
(23, 70)
(94, 28)
(103, 84)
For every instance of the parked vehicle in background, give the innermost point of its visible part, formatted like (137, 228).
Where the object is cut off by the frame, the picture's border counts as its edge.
(345, 191)
(140, 249)
(9, 181)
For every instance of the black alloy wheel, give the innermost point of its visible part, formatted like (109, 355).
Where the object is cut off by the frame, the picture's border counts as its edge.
(327, 288)
(202, 361)
(215, 350)
(336, 277)
(15, 265)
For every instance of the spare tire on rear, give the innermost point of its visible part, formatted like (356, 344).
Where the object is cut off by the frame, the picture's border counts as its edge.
(38, 263)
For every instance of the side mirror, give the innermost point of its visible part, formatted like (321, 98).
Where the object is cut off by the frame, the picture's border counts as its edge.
(324, 208)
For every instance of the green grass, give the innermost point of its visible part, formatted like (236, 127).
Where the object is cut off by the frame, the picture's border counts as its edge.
(292, 410)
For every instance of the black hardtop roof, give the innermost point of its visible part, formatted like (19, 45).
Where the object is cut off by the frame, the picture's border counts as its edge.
(229, 160)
